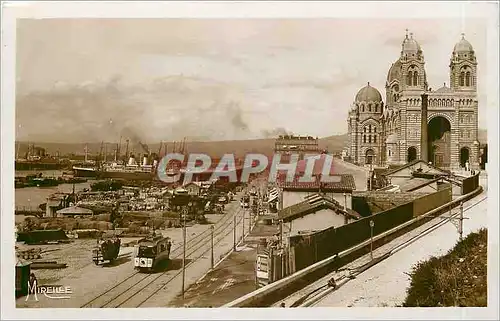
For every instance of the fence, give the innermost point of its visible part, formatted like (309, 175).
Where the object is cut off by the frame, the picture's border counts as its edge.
(279, 290)
(426, 203)
(469, 184)
(309, 249)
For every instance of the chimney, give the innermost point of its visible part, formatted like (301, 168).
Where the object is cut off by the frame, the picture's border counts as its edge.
(145, 160)
(424, 148)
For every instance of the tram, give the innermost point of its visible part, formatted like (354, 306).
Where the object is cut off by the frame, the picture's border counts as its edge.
(151, 251)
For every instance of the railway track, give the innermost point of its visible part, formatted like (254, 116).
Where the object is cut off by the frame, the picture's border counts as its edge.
(317, 295)
(126, 292)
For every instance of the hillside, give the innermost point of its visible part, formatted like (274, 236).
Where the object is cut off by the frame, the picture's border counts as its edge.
(458, 278)
(214, 148)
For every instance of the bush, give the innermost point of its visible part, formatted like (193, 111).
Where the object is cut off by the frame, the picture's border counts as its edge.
(458, 278)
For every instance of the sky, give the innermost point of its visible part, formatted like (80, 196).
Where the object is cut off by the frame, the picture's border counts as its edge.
(215, 79)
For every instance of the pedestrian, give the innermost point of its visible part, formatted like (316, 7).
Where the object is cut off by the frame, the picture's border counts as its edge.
(32, 282)
(282, 305)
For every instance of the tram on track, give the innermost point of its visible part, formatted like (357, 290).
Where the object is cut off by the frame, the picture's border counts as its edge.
(151, 251)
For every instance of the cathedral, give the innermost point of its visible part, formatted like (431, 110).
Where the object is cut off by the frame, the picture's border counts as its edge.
(390, 134)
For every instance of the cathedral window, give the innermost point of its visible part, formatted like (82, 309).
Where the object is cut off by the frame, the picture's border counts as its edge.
(412, 78)
(462, 78)
(364, 138)
(374, 138)
(370, 139)
(374, 129)
(467, 79)
(369, 107)
(364, 129)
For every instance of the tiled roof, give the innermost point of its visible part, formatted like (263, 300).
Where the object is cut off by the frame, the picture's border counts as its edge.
(345, 184)
(312, 204)
(413, 163)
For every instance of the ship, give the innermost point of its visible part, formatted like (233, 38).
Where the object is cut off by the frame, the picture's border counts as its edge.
(37, 159)
(114, 170)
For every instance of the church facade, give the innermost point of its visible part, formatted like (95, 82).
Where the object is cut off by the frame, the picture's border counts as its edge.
(389, 133)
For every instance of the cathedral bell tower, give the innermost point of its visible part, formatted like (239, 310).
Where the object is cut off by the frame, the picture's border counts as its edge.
(412, 62)
(463, 67)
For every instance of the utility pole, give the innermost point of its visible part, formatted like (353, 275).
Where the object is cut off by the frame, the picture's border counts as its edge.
(281, 233)
(372, 224)
(250, 221)
(346, 219)
(183, 250)
(212, 247)
(234, 233)
(461, 223)
(243, 226)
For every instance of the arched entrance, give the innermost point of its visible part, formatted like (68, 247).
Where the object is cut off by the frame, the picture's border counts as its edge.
(464, 156)
(412, 154)
(369, 157)
(439, 139)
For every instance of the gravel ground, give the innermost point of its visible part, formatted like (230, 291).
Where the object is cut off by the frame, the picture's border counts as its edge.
(232, 278)
(86, 279)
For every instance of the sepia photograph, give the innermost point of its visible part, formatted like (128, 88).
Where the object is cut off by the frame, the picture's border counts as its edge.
(216, 155)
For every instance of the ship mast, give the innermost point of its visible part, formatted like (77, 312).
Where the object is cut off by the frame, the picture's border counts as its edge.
(118, 147)
(86, 153)
(159, 150)
(126, 151)
(17, 151)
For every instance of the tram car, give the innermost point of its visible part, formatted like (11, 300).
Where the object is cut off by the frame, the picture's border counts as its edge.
(107, 250)
(151, 251)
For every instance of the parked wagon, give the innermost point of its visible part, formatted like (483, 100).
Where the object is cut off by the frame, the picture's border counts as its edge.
(107, 250)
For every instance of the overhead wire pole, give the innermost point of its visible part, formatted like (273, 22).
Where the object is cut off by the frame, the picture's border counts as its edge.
(212, 246)
(234, 232)
(183, 251)
(461, 223)
(243, 225)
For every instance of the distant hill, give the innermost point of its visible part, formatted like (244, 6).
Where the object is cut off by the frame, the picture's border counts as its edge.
(333, 144)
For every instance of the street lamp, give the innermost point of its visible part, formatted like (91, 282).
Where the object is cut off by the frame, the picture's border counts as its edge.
(372, 224)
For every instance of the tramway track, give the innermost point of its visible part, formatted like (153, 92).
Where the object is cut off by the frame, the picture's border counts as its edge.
(135, 284)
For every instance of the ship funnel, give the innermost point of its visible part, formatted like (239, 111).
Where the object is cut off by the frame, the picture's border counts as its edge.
(145, 160)
(131, 160)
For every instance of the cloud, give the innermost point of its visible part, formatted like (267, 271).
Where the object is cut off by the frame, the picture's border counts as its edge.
(273, 133)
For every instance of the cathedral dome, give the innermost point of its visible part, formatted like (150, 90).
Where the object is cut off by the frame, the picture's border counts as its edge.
(463, 46)
(368, 93)
(410, 45)
(394, 72)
